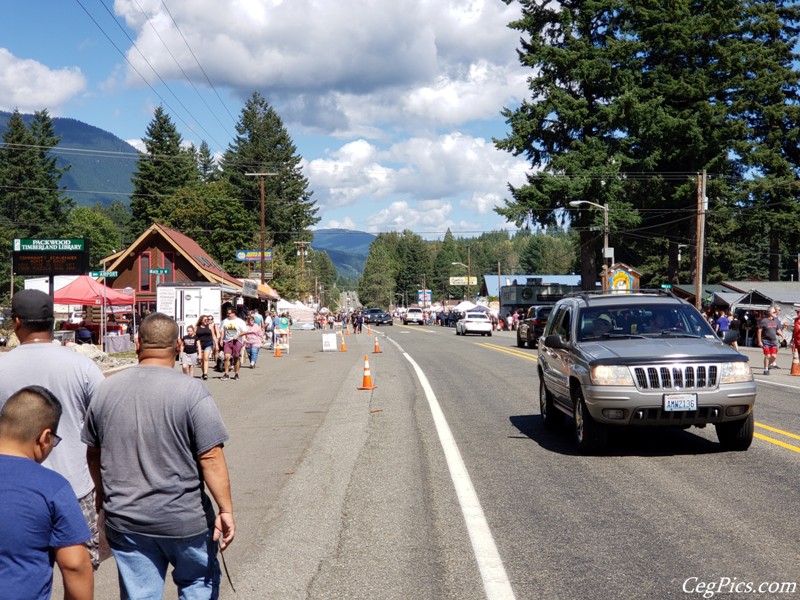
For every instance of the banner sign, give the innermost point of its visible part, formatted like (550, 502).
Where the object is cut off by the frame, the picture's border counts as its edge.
(35, 245)
(248, 255)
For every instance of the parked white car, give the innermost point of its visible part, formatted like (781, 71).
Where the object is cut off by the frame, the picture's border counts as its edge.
(77, 316)
(474, 322)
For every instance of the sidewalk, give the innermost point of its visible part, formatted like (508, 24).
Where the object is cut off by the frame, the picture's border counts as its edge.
(782, 373)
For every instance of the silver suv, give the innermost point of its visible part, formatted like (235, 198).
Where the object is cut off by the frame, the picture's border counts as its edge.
(642, 358)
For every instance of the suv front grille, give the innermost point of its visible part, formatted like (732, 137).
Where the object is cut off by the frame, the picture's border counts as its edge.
(676, 377)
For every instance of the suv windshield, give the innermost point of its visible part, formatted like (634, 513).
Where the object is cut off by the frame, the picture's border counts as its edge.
(651, 320)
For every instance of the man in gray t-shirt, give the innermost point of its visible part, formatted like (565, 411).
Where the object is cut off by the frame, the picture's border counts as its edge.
(155, 444)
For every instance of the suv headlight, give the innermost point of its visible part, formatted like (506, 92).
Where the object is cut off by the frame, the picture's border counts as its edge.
(610, 375)
(735, 372)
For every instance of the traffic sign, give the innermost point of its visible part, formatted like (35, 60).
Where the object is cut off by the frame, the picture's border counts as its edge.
(158, 271)
(666, 286)
(97, 274)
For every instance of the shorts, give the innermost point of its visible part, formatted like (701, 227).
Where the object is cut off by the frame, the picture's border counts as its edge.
(188, 360)
(769, 348)
(232, 348)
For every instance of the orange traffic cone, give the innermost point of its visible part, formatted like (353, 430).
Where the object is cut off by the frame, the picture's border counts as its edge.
(377, 349)
(367, 383)
(277, 353)
(369, 330)
(795, 363)
(342, 348)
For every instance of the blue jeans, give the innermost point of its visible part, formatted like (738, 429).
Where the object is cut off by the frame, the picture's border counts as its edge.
(252, 352)
(142, 563)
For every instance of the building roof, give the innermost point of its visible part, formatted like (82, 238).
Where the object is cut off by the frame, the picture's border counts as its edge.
(490, 281)
(192, 251)
(780, 291)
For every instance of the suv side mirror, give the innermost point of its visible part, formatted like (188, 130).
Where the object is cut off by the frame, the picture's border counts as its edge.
(554, 341)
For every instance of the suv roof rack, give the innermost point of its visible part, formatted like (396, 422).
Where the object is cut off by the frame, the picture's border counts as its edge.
(593, 294)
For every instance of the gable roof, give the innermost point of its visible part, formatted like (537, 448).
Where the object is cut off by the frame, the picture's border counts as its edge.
(186, 246)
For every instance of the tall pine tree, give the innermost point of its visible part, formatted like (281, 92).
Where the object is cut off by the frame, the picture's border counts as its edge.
(162, 169)
(263, 146)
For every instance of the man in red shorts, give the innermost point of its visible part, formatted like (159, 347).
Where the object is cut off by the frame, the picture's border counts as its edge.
(769, 329)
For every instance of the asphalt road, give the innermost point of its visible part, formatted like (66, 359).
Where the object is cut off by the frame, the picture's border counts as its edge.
(345, 493)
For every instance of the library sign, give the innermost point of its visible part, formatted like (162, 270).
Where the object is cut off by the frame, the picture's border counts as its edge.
(50, 256)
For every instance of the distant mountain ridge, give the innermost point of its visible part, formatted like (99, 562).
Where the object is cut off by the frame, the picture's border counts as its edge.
(102, 163)
(347, 249)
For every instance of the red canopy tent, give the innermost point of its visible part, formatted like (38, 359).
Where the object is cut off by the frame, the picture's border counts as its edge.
(86, 291)
(89, 292)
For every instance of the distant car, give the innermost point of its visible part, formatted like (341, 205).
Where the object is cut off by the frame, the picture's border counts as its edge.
(414, 315)
(530, 329)
(377, 316)
(474, 322)
(77, 316)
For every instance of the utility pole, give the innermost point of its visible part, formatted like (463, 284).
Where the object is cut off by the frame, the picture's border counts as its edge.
(301, 252)
(261, 177)
(702, 206)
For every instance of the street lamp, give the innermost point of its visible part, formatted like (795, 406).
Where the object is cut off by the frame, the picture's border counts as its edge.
(604, 208)
(467, 268)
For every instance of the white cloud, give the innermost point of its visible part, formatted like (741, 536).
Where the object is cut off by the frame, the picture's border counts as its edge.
(346, 223)
(339, 67)
(30, 86)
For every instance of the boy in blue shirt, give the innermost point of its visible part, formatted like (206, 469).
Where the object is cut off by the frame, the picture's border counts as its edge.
(40, 518)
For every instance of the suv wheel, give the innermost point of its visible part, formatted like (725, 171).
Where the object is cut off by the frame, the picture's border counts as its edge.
(546, 408)
(590, 436)
(736, 435)
(520, 341)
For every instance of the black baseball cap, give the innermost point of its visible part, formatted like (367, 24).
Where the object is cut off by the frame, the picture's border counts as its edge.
(33, 305)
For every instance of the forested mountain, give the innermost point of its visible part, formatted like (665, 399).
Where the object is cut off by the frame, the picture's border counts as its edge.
(101, 163)
(347, 249)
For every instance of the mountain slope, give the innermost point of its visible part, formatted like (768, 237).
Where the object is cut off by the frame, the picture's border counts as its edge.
(101, 164)
(347, 249)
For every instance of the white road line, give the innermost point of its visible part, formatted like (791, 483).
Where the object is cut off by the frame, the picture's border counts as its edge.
(493, 573)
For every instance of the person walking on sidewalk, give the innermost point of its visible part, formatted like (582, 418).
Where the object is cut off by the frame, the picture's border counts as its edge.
(253, 340)
(233, 330)
(769, 329)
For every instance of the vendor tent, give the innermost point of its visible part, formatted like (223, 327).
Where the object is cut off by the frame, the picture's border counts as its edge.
(464, 306)
(89, 292)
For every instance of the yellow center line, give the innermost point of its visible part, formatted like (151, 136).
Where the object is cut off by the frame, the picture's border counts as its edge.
(780, 431)
(511, 351)
(777, 442)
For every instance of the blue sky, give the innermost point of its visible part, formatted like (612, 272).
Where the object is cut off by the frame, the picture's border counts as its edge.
(391, 103)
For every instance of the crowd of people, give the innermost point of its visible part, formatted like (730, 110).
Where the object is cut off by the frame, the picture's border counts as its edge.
(226, 346)
(142, 448)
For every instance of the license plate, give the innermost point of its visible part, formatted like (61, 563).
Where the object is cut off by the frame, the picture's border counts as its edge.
(676, 402)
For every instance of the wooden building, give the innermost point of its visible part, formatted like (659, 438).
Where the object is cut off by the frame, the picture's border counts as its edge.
(180, 260)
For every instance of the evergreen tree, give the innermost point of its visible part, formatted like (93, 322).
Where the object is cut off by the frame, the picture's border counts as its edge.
(769, 103)
(206, 165)
(549, 254)
(30, 198)
(376, 287)
(443, 269)
(263, 146)
(414, 265)
(161, 170)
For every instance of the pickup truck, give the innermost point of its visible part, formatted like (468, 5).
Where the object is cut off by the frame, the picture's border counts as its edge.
(530, 329)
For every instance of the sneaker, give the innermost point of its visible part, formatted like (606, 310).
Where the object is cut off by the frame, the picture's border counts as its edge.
(226, 378)
(236, 377)
(252, 365)
(766, 372)
(205, 376)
